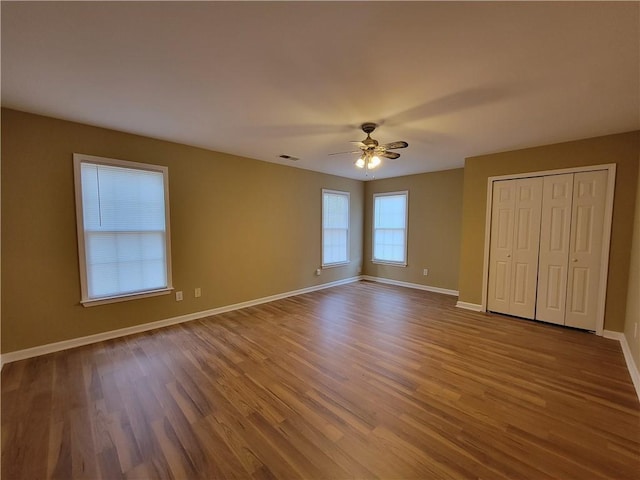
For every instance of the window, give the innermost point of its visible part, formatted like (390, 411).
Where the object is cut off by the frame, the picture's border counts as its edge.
(123, 229)
(335, 228)
(390, 227)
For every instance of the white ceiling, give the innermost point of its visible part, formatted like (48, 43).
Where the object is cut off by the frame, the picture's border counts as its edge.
(260, 79)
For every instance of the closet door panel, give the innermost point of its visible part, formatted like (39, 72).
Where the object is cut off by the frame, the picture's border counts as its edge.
(557, 197)
(500, 259)
(526, 247)
(585, 253)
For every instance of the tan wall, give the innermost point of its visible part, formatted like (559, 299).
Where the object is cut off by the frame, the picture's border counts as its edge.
(633, 293)
(241, 229)
(621, 149)
(435, 214)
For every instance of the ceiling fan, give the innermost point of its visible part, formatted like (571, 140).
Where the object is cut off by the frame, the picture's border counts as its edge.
(371, 151)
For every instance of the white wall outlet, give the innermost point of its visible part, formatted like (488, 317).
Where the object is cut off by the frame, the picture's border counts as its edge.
(197, 292)
(178, 296)
(635, 330)
(425, 272)
(318, 272)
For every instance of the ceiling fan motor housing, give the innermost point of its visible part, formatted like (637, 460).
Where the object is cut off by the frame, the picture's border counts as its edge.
(368, 127)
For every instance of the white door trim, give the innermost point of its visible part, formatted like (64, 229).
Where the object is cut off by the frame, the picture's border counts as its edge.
(606, 242)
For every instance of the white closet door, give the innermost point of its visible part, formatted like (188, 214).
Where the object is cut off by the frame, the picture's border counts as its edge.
(585, 251)
(515, 235)
(502, 213)
(557, 196)
(526, 247)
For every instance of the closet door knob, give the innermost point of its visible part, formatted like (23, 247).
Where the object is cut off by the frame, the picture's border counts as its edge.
(508, 255)
(574, 260)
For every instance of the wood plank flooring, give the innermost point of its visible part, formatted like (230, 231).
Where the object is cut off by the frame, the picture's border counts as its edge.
(358, 381)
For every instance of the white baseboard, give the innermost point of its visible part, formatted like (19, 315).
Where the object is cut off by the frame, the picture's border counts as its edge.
(469, 306)
(99, 337)
(631, 365)
(411, 285)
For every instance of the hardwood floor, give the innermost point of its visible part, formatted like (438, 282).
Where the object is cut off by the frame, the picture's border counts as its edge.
(358, 381)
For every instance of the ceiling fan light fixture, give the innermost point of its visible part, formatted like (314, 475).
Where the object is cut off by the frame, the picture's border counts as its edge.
(374, 162)
(360, 163)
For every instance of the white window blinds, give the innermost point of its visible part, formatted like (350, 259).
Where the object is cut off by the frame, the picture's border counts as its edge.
(390, 228)
(335, 227)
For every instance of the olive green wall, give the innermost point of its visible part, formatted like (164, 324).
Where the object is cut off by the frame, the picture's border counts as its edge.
(435, 219)
(633, 292)
(241, 229)
(621, 149)
(244, 229)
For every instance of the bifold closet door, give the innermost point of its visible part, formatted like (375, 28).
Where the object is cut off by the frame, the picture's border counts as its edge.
(571, 237)
(513, 254)
(585, 249)
(502, 213)
(555, 232)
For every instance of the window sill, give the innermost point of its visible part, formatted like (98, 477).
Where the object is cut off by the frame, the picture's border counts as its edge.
(124, 298)
(393, 264)
(337, 264)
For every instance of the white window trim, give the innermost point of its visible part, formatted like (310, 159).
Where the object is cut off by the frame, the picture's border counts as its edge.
(78, 159)
(406, 229)
(348, 260)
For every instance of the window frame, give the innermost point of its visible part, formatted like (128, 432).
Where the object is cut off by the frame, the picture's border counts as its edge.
(78, 160)
(323, 264)
(375, 260)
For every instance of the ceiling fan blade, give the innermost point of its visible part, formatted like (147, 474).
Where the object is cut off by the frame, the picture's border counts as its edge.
(394, 145)
(344, 153)
(391, 155)
(358, 143)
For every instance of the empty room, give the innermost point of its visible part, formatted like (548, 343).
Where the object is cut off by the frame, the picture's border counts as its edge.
(320, 240)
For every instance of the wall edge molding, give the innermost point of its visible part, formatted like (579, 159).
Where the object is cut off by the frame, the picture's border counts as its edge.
(631, 365)
(417, 286)
(474, 307)
(122, 332)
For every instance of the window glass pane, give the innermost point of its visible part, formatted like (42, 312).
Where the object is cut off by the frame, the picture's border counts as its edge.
(336, 211)
(390, 211)
(335, 245)
(116, 198)
(117, 263)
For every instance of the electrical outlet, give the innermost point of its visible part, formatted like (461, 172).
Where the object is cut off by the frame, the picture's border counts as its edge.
(178, 296)
(197, 292)
(425, 272)
(318, 272)
(635, 330)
